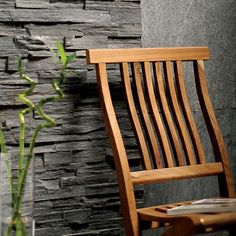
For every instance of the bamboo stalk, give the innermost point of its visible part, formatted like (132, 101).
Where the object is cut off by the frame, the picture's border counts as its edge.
(48, 122)
(7, 164)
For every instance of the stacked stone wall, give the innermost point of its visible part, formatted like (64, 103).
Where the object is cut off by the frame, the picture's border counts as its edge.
(76, 190)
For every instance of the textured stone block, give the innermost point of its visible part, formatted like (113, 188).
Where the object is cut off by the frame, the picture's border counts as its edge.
(40, 54)
(99, 232)
(11, 30)
(13, 52)
(50, 230)
(125, 15)
(5, 16)
(48, 218)
(57, 159)
(8, 95)
(32, 4)
(7, 3)
(45, 148)
(30, 43)
(52, 184)
(123, 42)
(54, 194)
(3, 64)
(41, 64)
(130, 30)
(138, 1)
(86, 42)
(80, 145)
(70, 181)
(56, 30)
(101, 189)
(79, 216)
(54, 15)
(7, 42)
(106, 28)
(90, 125)
(78, 64)
(107, 5)
(69, 4)
(70, 159)
(12, 62)
(49, 41)
(14, 79)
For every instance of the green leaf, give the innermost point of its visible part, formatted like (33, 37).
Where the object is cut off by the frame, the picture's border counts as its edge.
(20, 65)
(70, 58)
(62, 53)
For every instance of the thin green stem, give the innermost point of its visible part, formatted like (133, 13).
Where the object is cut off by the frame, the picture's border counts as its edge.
(25, 161)
(23, 99)
(2, 142)
(7, 164)
(22, 143)
(49, 122)
(17, 199)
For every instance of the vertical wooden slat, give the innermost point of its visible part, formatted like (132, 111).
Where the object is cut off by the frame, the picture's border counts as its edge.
(148, 124)
(156, 116)
(187, 113)
(134, 117)
(167, 115)
(226, 180)
(187, 145)
(123, 172)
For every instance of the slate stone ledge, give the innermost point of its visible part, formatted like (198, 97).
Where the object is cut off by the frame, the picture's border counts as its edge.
(53, 15)
(76, 190)
(32, 4)
(78, 216)
(103, 232)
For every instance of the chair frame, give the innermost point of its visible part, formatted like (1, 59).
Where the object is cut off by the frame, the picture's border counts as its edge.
(135, 219)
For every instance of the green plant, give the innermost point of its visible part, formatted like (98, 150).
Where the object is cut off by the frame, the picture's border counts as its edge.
(17, 223)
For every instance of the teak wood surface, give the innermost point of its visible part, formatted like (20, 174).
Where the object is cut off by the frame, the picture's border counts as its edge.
(166, 132)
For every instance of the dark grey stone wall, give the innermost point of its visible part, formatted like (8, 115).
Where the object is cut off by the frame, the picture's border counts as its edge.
(76, 189)
(211, 23)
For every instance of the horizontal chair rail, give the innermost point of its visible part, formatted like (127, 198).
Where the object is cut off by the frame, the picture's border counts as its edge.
(146, 54)
(176, 173)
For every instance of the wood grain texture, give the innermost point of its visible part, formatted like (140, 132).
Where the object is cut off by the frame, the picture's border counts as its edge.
(146, 117)
(192, 128)
(121, 161)
(176, 173)
(146, 54)
(174, 129)
(134, 116)
(177, 114)
(157, 120)
(173, 136)
(218, 145)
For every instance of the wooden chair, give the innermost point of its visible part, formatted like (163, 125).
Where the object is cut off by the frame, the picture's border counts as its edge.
(169, 142)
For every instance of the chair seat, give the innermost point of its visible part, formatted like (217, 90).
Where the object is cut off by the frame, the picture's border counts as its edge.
(192, 223)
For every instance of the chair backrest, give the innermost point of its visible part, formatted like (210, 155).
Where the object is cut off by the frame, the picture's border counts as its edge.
(164, 126)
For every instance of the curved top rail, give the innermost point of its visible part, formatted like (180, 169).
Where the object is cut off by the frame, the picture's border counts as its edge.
(146, 54)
